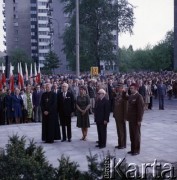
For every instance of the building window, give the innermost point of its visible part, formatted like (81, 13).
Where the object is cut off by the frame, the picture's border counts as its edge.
(33, 12)
(33, 5)
(43, 33)
(42, 10)
(44, 40)
(42, 25)
(32, 33)
(32, 26)
(42, 18)
(33, 19)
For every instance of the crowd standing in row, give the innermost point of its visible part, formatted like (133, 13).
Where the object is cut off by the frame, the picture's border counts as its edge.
(59, 97)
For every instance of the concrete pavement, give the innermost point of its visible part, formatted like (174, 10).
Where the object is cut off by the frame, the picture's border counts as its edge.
(159, 139)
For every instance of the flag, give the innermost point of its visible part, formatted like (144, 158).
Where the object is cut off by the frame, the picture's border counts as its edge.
(0, 84)
(21, 76)
(26, 71)
(3, 81)
(19, 81)
(39, 75)
(11, 79)
(31, 74)
(35, 73)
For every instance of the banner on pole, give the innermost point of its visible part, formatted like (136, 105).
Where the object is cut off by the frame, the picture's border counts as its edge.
(94, 71)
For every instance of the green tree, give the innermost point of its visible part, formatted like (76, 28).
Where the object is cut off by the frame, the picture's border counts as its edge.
(18, 55)
(51, 62)
(98, 18)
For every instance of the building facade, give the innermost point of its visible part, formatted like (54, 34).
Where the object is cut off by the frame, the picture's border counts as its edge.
(35, 26)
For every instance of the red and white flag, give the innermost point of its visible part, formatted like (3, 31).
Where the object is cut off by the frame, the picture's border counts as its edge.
(31, 74)
(26, 72)
(3, 81)
(39, 75)
(35, 73)
(20, 77)
(11, 86)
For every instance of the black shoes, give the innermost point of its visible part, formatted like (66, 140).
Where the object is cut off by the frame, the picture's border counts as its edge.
(63, 140)
(101, 147)
(69, 140)
(120, 147)
(50, 142)
(129, 152)
(133, 153)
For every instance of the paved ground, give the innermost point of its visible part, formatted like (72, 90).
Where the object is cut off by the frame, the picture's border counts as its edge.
(159, 139)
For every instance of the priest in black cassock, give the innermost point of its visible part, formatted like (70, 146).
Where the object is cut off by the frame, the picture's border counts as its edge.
(50, 123)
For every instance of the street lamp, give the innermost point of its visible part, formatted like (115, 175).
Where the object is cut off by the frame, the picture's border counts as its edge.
(77, 39)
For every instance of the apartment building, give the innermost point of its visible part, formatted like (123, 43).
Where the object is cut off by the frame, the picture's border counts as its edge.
(35, 26)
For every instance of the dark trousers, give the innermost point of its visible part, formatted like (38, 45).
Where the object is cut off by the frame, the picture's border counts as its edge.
(102, 134)
(121, 132)
(135, 137)
(66, 126)
(150, 104)
(161, 102)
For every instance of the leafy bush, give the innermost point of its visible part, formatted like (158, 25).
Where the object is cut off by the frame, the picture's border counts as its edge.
(29, 163)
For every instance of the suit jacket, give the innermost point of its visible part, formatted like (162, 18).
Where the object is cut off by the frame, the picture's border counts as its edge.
(102, 111)
(120, 107)
(161, 90)
(135, 108)
(36, 98)
(65, 105)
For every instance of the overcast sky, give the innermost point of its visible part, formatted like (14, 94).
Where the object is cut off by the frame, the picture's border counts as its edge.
(153, 18)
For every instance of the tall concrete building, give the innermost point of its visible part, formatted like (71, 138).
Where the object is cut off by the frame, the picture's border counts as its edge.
(175, 35)
(35, 26)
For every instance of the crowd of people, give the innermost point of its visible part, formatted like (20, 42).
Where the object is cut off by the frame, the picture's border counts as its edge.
(59, 97)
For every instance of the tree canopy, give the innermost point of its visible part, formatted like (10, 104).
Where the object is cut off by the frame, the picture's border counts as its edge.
(51, 62)
(156, 58)
(97, 19)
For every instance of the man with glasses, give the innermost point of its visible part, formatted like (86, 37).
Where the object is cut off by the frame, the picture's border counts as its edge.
(36, 98)
(101, 113)
(65, 109)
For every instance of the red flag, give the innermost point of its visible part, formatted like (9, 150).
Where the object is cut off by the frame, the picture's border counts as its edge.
(39, 75)
(11, 79)
(3, 79)
(0, 84)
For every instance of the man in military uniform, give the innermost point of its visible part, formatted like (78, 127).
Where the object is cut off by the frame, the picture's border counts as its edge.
(119, 113)
(50, 124)
(135, 116)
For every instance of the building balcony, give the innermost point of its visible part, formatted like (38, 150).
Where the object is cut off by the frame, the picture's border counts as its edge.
(3, 12)
(3, 6)
(4, 28)
(4, 42)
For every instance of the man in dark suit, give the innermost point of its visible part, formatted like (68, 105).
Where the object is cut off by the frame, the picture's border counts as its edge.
(65, 109)
(161, 91)
(50, 125)
(101, 113)
(36, 98)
